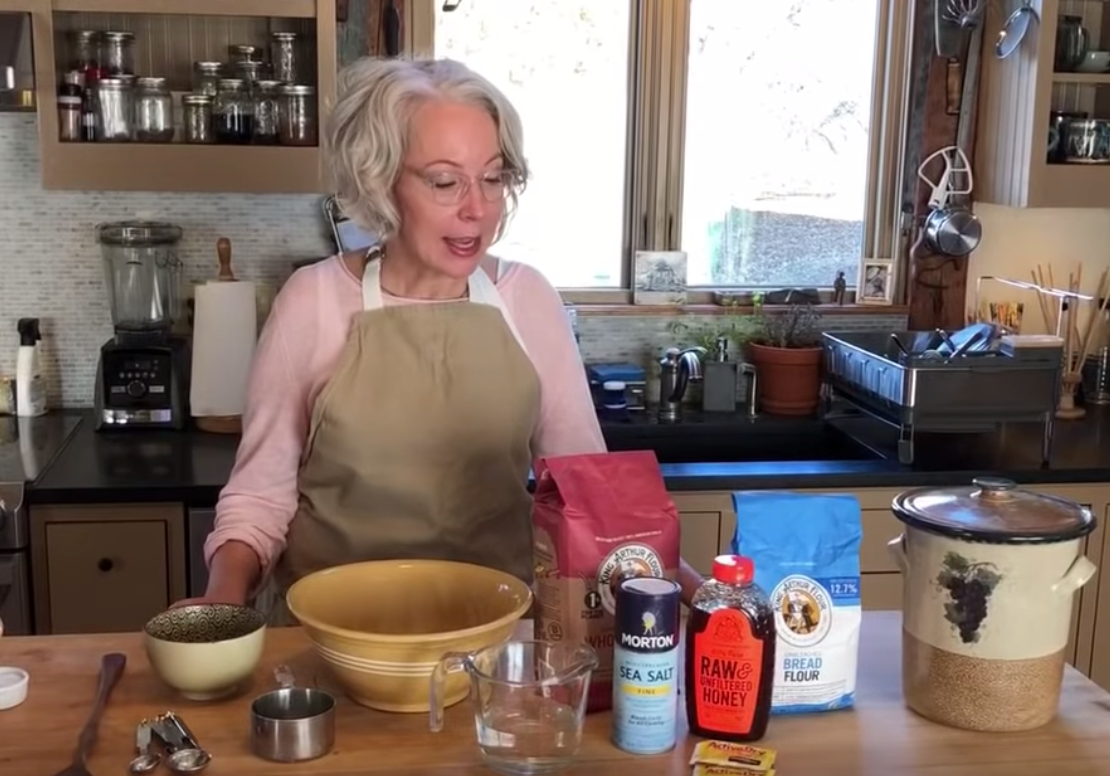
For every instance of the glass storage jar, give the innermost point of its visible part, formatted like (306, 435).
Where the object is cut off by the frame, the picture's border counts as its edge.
(249, 72)
(71, 114)
(243, 52)
(84, 53)
(233, 112)
(206, 77)
(197, 118)
(297, 116)
(115, 109)
(118, 54)
(267, 110)
(153, 111)
(283, 56)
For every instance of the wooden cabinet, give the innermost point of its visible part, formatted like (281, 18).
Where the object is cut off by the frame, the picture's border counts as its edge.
(1094, 616)
(1016, 99)
(170, 35)
(106, 568)
(703, 537)
(881, 591)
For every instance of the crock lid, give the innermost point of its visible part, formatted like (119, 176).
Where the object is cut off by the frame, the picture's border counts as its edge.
(994, 510)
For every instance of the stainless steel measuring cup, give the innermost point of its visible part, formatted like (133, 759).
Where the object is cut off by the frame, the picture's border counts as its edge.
(292, 723)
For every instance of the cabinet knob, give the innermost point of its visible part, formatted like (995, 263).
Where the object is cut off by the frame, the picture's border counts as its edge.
(105, 564)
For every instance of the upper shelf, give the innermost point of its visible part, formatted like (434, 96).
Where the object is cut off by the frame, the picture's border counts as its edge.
(170, 35)
(287, 9)
(1081, 78)
(181, 167)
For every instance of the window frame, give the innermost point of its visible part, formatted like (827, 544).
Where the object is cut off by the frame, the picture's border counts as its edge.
(658, 61)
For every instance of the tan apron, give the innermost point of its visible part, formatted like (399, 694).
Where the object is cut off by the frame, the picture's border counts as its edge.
(420, 444)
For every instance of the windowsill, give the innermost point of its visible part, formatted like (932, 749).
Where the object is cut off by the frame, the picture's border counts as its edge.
(712, 309)
(700, 301)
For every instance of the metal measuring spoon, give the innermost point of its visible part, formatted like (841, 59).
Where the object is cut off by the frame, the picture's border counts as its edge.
(188, 760)
(183, 753)
(145, 761)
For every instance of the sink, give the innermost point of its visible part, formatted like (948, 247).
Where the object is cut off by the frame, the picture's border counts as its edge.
(747, 445)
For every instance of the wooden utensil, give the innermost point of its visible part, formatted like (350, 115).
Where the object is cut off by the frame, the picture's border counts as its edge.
(223, 256)
(111, 669)
(223, 424)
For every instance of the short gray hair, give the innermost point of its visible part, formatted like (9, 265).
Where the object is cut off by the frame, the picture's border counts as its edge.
(368, 131)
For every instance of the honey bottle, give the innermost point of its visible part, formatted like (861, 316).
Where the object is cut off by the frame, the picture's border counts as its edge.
(730, 654)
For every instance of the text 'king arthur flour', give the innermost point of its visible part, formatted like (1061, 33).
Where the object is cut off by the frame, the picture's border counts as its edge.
(806, 554)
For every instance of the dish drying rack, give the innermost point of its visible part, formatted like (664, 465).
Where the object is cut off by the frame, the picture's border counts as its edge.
(949, 382)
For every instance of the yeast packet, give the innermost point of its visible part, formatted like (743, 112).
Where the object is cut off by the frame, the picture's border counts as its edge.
(805, 548)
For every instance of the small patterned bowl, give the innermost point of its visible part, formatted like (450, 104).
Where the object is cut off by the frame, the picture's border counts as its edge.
(205, 651)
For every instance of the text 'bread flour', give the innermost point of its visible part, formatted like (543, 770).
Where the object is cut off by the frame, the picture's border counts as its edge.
(806, 554)
(598, 519)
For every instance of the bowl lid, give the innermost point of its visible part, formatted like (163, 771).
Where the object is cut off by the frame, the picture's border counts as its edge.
(995, 510)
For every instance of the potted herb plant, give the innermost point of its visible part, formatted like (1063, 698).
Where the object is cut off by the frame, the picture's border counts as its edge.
(704, 331)
(787, 354)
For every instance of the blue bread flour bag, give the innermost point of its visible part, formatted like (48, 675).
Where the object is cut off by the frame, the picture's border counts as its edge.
(805, 549)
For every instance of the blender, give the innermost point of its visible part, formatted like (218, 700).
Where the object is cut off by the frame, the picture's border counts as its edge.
(142, 377)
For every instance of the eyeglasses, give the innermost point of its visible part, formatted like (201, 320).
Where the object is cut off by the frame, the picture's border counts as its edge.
(451, 188)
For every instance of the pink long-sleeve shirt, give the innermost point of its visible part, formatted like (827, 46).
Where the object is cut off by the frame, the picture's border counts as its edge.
(298, 351)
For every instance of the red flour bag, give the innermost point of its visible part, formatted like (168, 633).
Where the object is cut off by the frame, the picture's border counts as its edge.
(598, 519)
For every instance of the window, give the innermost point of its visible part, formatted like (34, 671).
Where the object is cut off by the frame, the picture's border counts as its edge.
(565, 67)
(759, 138)
(778, 112)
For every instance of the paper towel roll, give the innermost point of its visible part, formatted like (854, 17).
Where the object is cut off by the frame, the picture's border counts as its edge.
(225, 326)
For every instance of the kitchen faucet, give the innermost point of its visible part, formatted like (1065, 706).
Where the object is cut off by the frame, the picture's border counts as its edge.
(677, 369)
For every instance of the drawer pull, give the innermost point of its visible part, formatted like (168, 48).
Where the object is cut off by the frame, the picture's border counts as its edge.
(105, 564)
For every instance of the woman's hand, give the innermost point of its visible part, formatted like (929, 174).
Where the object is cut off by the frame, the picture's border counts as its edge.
(231, 576)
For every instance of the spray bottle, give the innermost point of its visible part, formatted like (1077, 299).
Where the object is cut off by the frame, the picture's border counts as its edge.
(30, 391)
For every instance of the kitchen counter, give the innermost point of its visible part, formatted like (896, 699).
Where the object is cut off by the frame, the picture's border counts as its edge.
(843, 452)
(880, 737)
(189, 466)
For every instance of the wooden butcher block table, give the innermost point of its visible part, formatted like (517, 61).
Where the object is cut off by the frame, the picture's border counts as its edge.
(880, 737)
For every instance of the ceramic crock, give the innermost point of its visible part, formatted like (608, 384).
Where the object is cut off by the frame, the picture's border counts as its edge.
(989, 575)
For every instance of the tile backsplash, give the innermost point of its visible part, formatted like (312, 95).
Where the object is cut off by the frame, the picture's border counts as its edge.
(51, 268)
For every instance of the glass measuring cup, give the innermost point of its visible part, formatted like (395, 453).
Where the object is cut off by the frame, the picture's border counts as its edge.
(529, 702)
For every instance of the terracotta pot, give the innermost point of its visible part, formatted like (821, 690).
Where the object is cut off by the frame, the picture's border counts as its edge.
(789, 379)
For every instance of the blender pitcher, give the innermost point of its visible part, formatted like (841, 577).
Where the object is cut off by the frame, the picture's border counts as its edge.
(142, 273)
(529, 702)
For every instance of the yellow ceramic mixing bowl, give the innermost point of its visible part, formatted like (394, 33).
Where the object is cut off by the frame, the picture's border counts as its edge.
(382, 626)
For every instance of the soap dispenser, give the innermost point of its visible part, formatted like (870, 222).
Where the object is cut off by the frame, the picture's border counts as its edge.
(30, 391)
(720, 380)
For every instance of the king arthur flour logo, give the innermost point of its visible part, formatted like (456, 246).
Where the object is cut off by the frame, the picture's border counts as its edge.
(803, 610)
(624, 562)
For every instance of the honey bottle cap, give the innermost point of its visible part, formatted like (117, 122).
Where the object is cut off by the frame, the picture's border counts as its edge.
(733, 569)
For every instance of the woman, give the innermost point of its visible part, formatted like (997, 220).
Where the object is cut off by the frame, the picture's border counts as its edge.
(398, 397)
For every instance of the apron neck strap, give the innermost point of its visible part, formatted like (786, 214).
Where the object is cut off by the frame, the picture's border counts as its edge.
(479, 288)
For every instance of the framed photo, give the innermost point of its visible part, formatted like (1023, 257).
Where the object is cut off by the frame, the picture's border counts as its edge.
(876, 282)
(660, 278)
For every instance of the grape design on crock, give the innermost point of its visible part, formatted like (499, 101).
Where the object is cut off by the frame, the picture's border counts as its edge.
(969, 587)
